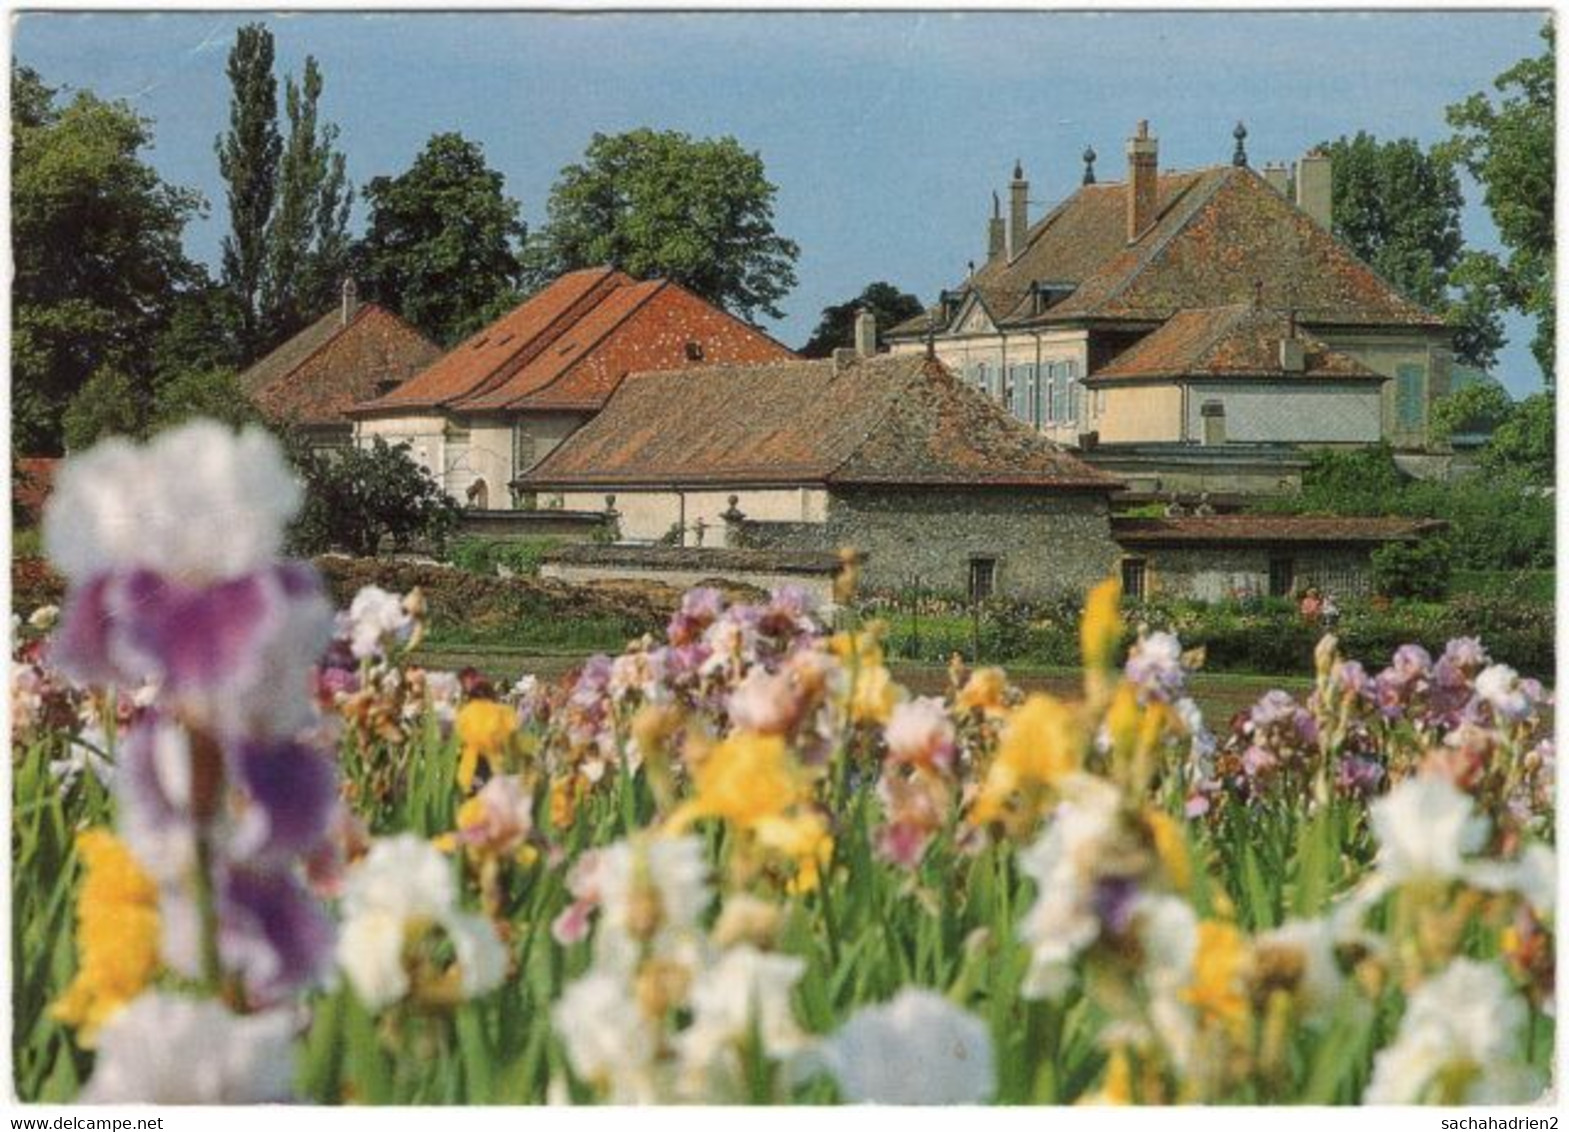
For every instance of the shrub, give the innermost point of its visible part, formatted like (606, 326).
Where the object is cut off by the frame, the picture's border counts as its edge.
(1413, 569)
(358, 499)
(482, 556)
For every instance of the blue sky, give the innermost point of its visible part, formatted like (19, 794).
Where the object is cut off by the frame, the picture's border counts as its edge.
(884, 132)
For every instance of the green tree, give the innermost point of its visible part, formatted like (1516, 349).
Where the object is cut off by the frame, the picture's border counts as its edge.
(1398, 207)
(203, 330)
(888, 305)
(1476, 408)
(111, 403)
(248, 157)
(1525, 442)
(215, 394)
(360, 499)
(96, 248)
(443, 240)
(700, 212)
(1507, 145)
(307, 237)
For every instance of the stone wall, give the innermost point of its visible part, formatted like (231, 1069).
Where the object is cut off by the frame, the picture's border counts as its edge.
(1216, 573)
(1045, 543)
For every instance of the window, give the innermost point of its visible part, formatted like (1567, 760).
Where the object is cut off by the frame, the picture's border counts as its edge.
(1059, 393)
(1282, 577)
(525, 449)
(1070, 378)
(1213, 414)
(1022, 381)
(982, 377)
(1134, 573)
(1408, 397)
(1037, 414)
(694, 350)
(983, 578)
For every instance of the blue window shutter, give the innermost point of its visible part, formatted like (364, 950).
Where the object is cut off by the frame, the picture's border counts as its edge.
(1408, 396)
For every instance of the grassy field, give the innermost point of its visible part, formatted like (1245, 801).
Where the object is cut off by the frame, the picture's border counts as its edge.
(1220, 695)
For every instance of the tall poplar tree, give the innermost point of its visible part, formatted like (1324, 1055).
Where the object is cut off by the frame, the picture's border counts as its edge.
(307, 240)
(248, 157)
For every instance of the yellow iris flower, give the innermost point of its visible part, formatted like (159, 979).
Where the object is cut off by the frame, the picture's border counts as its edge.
(1216, 991)
(117, 933)
(1041, 744)
(484, 729)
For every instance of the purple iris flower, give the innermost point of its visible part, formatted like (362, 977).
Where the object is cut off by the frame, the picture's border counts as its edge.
(289, 791)
(1113, 900)
(273, 932)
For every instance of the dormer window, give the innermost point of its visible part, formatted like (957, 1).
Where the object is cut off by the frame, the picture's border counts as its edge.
(694, 350)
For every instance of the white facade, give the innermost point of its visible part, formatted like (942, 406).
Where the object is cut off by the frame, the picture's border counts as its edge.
(651, 515)
(475, 458)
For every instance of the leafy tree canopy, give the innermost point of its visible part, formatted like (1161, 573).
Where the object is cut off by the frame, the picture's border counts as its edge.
(443, 242)
(1476, 408)
(1398, 207)
(1524, 443)
(889, 305)
(111, 403)
(214, 394)
(96, 242)
(1506, 142)
(663, 204)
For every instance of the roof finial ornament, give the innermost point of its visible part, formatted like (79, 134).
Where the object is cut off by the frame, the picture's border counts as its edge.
(996, 206)
(1239, 156)
(1089, 165)
(972, 268)
(1018, 169)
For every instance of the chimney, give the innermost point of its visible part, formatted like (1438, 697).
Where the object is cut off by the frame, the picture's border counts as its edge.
(1279, 178)
(1314, 195)
(1143, 167)
(1018, 211)
(351, 300)
(1293, 352)
(865, 333)
(996, 234)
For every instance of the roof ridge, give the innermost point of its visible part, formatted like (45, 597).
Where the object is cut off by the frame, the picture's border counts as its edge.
(657, 285)
(547, 336)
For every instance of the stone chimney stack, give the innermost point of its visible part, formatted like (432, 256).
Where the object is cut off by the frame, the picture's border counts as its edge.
(1018, 211)
(1143, 191)
(996, 232)
(1279, 178)
(1314, 194)
(865, 333)
(351, 299)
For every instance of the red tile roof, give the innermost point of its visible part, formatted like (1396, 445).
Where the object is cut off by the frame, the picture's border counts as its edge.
(1234, 341)
(886, 420)
(1219, 233)
(330, 366)
(30, 489)
(1237, 529)
(570, 345)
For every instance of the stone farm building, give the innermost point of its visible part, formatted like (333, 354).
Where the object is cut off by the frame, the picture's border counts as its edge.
(1215, 557)
(502, 400)
(353, 354)
(892, 456)
(1178, 325)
